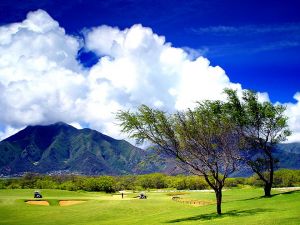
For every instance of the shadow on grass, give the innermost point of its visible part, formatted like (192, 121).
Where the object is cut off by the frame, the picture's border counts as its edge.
(211, 216)
(265, 197)
(287, 192)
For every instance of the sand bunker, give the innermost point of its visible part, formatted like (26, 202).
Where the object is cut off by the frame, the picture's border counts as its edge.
(67, 203)
(38, 203)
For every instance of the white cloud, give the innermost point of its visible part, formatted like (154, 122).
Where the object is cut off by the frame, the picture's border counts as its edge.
(76, 125)
(40, 78)
(8, 131)
(143, 68)
(41, 81)
(250, 29)
(293, 112)
(263, 97)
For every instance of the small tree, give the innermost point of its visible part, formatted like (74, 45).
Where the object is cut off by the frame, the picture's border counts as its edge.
(262, 126)
(203, 139)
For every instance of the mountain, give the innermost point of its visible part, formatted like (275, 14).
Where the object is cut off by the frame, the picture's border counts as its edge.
(288, 155)
(62, 148)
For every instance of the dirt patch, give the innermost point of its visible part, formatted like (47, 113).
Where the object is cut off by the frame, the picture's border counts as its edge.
(38, 203)
(193, 201)
(70, 202)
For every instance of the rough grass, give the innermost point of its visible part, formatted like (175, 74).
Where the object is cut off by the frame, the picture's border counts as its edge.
(240, 206)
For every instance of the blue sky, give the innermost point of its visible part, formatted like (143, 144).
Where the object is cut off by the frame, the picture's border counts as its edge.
(256, 43)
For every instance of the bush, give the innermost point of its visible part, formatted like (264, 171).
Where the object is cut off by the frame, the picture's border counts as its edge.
(2, 184)
(69, 185)
(155, 180)
(103, 183)
(126, 182)
(254, 181)
(29, 180)
(287, 178)
(14, 186)
(189, 183)
(196, 183)
(43, 184)
(235, 182)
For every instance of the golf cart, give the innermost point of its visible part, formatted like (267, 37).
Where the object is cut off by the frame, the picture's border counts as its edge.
(142, 196)
(37, 194)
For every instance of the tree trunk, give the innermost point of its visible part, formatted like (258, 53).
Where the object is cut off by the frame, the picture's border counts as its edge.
(269, 184)
(219, 200)
(267, 189)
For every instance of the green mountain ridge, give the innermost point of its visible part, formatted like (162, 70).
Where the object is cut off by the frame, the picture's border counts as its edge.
(61, 147)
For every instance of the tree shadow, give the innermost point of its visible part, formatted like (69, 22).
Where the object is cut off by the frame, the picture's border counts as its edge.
(265, 197)
(286, 192)
(233, 213)
(211, 216)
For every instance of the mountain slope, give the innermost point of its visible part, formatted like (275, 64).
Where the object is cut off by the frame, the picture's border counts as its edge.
(61, 147)
(288, 155)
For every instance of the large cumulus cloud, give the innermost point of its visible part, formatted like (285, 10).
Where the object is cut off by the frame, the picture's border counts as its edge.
(41, 80)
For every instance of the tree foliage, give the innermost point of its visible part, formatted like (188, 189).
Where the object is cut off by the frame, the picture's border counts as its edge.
(262, 125)
(203, 139)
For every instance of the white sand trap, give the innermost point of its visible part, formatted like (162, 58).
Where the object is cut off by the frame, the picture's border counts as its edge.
(38, 203)
(71, 202)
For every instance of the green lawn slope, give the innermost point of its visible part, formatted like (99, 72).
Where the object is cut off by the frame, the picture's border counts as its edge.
(241, 206)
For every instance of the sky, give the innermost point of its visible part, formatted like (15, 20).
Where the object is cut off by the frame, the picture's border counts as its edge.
(82, 61)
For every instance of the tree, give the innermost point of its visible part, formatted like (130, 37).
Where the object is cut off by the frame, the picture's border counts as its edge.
(262, 126)
(203, 139)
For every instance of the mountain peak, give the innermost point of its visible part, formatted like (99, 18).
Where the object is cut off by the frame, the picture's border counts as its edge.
(57, 124)
(61, 147)
(46, 132)
(60, 123)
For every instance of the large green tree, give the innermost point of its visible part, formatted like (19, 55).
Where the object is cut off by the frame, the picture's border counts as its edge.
(262, 125)
(203, 139)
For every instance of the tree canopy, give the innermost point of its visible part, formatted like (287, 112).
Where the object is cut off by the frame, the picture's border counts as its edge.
(214, 137)
(204, 139)
(262, 125)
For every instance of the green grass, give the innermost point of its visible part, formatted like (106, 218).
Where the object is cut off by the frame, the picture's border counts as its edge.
(240, 206)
